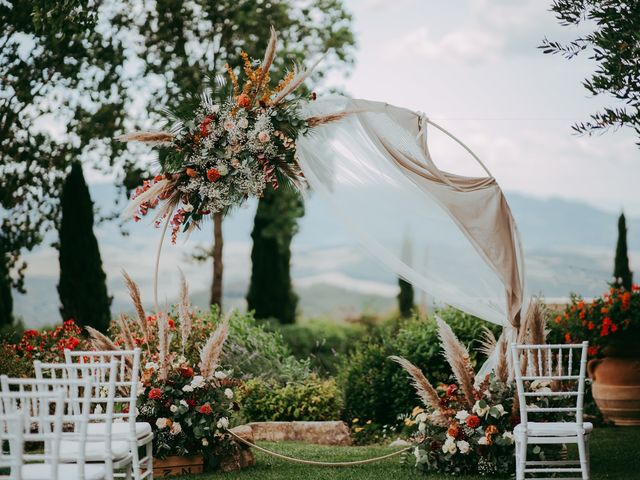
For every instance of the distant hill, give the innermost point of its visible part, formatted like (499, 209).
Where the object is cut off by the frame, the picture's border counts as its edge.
(569, 247)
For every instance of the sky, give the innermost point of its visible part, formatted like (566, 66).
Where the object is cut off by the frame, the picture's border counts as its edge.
(473, 66)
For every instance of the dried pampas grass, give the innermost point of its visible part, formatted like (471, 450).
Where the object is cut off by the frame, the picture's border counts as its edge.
(212, 350)
(153, 138)
(488, 342)
(424, 389)
(100, 341)
(458, 357)
(502, 361)
(183, 312)
(127, 337)
(269, 56)
(298, 79)
(134, 293)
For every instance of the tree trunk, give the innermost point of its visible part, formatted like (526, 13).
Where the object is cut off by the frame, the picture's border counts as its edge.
(218, 241)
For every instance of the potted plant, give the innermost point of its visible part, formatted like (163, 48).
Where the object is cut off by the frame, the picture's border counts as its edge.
(611, 324)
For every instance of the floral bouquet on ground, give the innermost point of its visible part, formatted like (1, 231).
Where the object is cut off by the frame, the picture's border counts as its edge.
(219, 153)
(465, 427)
(185, 395)
(606, 321)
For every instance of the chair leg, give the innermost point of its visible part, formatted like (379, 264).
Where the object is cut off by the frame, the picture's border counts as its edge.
(135, 461)
(584, 459)
(521, 457)
(148, 448)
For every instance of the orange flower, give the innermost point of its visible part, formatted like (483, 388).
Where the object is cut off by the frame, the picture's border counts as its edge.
(491, 429)
(191, 172)
(213, 175)
(453, 430)
(243, 100)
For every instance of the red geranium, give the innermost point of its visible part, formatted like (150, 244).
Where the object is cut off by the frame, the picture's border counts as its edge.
(206, 409)
(213, 175)
(155, 393)
(473, 421)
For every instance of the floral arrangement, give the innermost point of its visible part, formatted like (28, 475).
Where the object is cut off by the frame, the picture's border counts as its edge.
(186, 397)
(189, 413)
(468, 440)
(604, 321)
(219, 153)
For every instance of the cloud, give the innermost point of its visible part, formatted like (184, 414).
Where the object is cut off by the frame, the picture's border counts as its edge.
(458, 46)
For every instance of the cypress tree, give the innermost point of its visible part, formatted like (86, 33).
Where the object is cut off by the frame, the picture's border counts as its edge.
(621, 272)
(270, 292)
(405, 298)
(82, 287)
(6, 300)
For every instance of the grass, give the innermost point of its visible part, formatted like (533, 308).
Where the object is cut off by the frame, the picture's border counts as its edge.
(615, 454)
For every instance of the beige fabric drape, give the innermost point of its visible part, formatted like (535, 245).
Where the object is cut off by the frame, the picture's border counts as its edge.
(476, 204)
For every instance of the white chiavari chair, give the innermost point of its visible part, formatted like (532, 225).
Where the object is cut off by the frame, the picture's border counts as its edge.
(550, 379)
(48, 419)
(11, 443)
(99, 447)
(138, 434)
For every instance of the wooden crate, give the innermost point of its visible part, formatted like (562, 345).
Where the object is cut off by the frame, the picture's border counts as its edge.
(176, 465)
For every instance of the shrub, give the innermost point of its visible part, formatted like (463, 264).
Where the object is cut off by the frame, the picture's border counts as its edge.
(377, 389)
(312, 400)
(323, 342)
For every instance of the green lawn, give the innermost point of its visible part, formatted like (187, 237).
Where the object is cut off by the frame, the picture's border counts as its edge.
(615, 454)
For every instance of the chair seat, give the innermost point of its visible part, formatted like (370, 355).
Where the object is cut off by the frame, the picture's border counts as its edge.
(94, 451)
(66, 471)
(121, 429)
(552, 429)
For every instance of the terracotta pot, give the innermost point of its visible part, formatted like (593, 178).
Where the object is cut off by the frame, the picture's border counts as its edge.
(616, 388)
(177, 465)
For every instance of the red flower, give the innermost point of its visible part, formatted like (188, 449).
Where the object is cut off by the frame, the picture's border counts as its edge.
(155, 393)
(243, 100)
(592, 351)
(191, 402)
(451, 389)
(186, 372)
(205, 409)
(204, 126)
(473, 421)
(454, 430)
(213, 175)
(591, 326)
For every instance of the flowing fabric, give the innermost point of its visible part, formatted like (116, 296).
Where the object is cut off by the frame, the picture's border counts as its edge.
(374, 167)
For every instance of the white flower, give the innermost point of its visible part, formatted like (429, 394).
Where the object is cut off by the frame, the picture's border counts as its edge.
(421, 417)
(482, 441)
(542, 386)
(223, 170)
(228, 393)
(463, 446)
(480, 410)
(176, 428)
(500, 409)
(198, 381)
(416, 453)
(151, 365)
(228, 125)
(449, 445)
(162, 423)
(184, 403)
(173, 408)
(205, 442)
(422, 426)
(243, 123)
(187, 388)
(462, 415)
(98, 409)
(508, 436)
(223, 423)
(220, 375)
(214, 108)
(188, 207)
(263, 136)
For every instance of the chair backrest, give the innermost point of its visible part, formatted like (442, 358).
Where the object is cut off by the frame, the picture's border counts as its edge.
(553, 375)
(42, 417)
(11, 436)
(127, 377)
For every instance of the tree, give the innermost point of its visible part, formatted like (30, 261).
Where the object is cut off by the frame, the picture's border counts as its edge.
(186, 42)
(6, 300)
(621, 272)
(405, 298)
(614, 44)
(82, 287)
(270, 292)
(63, 96)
